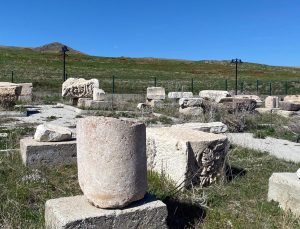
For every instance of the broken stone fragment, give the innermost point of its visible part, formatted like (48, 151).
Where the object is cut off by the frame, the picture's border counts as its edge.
(156, 93)
(179, 95)
(98, 94)
(52, 133)
(272, 102)
(79, 88)
(190, 102)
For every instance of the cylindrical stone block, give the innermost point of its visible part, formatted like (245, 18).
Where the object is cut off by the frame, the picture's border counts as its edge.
(112, 163)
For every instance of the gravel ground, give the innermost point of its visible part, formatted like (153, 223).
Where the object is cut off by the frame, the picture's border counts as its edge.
(282, 149)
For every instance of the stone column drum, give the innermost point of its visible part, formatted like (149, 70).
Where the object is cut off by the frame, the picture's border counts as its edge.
(112, 163)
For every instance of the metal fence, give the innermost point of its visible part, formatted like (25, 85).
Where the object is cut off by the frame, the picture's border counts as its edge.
(117, 84)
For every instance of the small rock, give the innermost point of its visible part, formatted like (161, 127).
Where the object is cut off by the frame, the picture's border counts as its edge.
(98, 94)
(52, 133)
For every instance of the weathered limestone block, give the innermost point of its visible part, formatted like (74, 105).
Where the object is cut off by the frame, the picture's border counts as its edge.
(285, 188)
(190, 102)
(289, 106)
(79, 88)
(238, 104)
(142, 106)
(112, 164)
(277, 111)
(186, 156)
(292, 98)
(192, 111)
(87, 103)
(9, 93)
(155, 103)
(77, 212)
(156, 93)
(211, 127)
(272, 102)
(36, 153)
(214, 95)
(179, 95)
(255, 97)
(98, 94)
(26, 92)
(52, 133)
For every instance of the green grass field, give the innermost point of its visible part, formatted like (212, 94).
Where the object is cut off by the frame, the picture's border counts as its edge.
(134, 75)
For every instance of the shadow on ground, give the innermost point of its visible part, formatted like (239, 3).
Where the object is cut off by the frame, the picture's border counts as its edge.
(234, 172)
(183, 214)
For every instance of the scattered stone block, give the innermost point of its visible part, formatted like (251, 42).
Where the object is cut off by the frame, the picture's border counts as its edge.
(289, 106)
(272, 102)
(190, 102)
(98, 94)
(292, 98)
(155, 103)
(79, 88)
(142, 106)
(77, 212)
(112, 164)
(214, 95)
(156, 93)
(210, 127)
(285, 188)
(186, 156)
(52, 133)
(9, 93)
(191, 111)
(179, 95)
(255, 97)
(238, 104)
(26, 92)
(35, 153)
(87, 103)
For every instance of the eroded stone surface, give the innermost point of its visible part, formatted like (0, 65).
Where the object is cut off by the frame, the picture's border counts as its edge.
(289, 105)
(272, 102)
(292, 98)
(190, 102)
(79, 88)
(179, 95)
(255, 97)
(87, 103)
(192, 111)
(156, 93)
(211, 127)
(112, 167)
(186, 156)
(76, 212)
(155, 103)
(214, 95)
(9, 93)
(52, 133)
(26, 92)
(238, 104)
(98, 94)
(285, 188)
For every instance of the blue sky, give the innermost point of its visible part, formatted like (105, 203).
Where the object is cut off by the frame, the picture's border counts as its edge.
(262, 31)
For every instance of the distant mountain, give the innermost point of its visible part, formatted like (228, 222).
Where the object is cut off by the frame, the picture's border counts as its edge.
(55, 47)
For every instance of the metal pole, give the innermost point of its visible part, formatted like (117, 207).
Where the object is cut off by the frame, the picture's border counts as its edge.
(236, 76)
(12, 76)
(286, 87)
(113, 85)
(64, 73)
(192, 85)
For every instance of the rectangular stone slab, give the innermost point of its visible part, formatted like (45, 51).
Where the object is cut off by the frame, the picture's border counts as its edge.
(285, 188)
(36, 153)
(186, 156)
(77, 212)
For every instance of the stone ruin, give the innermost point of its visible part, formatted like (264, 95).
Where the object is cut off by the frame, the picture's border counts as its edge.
(9, 94)
(191, 106)
(51, 145)
(112, 173)
(187, 156)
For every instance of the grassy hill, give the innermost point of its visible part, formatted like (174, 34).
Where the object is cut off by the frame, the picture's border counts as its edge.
(135, 74)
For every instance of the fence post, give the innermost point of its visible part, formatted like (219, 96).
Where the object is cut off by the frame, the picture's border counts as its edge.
(242, 87)
(155, 81)
(12, 76)
(226, 85)
(270, 88)
(113, 85)
(286, 87)
(257, 82)
(66, 76)
(193, 85)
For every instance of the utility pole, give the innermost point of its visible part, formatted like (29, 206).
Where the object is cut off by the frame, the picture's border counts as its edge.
(236, 62)
(64, 49)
